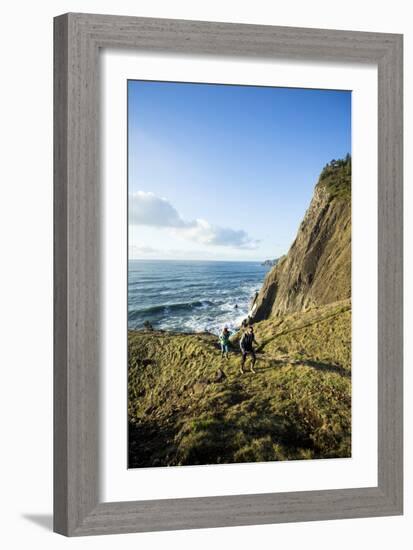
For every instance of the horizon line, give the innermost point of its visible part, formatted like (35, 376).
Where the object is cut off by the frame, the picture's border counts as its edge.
(193, 260)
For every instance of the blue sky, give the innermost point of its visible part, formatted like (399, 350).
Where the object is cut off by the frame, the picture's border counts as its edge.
(226, 172)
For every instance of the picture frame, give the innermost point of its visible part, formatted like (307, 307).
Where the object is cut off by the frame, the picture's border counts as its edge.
(78, 39)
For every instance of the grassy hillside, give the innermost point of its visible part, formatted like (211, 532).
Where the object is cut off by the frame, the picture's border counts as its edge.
(189, 406)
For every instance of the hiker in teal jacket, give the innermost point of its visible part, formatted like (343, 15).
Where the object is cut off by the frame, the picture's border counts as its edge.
(224, 341)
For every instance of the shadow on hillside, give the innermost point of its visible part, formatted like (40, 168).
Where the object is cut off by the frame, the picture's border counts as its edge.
(317, 365)
(265, 362)
(310, 323)
(329, 367)
(237, 425)
(209, 439)
(150, 444)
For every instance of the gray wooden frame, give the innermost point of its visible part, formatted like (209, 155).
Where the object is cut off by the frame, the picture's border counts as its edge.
(77, 506)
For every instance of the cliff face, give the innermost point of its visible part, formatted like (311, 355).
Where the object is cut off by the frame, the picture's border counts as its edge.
(317, 269)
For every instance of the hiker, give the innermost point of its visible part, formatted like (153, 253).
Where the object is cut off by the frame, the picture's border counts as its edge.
(246, 322)
(224, 341)
(247, 347)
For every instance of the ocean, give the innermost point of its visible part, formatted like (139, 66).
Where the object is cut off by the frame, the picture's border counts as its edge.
(191, 296)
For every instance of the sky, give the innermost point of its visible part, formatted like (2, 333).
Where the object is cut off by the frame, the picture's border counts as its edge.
(218, 172)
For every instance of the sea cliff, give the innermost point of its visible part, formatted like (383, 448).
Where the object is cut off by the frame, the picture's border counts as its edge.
(317, 269)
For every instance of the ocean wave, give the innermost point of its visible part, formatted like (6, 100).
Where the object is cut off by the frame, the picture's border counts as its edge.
(192, 300)
(169, 308)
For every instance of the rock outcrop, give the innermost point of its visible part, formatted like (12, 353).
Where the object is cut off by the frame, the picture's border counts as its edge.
(317, 269)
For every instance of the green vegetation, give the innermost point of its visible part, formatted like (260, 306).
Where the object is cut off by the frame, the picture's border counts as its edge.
(188, 406)
(336, 177)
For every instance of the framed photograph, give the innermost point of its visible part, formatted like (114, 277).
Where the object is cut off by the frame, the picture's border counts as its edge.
(228, 274)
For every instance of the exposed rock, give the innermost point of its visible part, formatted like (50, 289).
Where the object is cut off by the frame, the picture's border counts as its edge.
(317, 269)
(271, 263)
(148, 326)
(219, 376)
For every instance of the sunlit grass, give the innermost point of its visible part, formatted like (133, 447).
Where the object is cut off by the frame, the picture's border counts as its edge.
(297, 405)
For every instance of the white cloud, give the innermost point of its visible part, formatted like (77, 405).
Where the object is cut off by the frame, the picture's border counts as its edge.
(150, 210)
(203, 232)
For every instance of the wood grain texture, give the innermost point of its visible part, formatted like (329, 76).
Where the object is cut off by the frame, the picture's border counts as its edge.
(390, 274)
(60, 278)
(78, 39)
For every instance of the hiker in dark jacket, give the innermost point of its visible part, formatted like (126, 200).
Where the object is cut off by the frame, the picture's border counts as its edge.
(247, 347)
